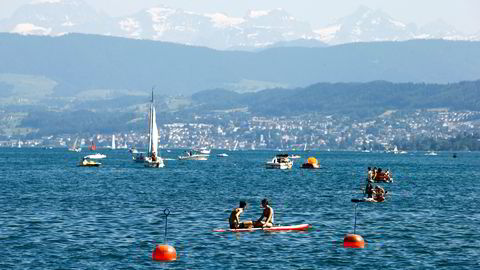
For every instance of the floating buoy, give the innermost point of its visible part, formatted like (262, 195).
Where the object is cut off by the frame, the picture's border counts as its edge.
(353, 241)
(164, 253)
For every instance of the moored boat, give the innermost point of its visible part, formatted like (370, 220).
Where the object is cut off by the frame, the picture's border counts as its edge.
(204, 151)
(190, 155)
(431, 153)
(87, 162)
(96, 156)
(92, 147)
(280, 161)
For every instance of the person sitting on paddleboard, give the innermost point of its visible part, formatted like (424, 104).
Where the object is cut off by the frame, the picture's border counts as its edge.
(234, 219)
(266, 220)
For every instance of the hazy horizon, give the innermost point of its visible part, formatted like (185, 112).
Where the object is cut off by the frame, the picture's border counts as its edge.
(461, 14)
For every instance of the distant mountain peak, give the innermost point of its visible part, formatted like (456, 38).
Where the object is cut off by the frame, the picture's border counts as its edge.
(256, 29)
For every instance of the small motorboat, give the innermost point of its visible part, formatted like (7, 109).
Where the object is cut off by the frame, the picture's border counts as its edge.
(189, 155)
(431, 153)
(281, 162)
(204, 151)
(295, 156)
(222, 155)
(138, 156)
(311, 163)
(86, 162)
(96, 156)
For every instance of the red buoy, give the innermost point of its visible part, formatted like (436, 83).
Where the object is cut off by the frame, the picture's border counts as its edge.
(164, 253)
(353, 241)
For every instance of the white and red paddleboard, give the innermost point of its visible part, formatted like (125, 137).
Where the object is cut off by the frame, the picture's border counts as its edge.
(300, 227)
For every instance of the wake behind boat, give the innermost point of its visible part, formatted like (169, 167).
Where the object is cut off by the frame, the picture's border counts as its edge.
(300, 227)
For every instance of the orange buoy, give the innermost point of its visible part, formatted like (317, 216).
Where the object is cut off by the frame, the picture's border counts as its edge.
(312, 160)
(164, 253)
(353, 241)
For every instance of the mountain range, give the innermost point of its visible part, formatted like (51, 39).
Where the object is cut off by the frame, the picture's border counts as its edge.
(77, 65)
(257, 29)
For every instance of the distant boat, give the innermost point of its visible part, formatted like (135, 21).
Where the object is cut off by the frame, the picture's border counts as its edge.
(281, 162)
(95, 156)
(86, 162)
(153, 159)
(113, 142)
(305, 147)
(235, 147)
(204, 151)
(431, 153)
(222, 155)
(191, 155)
(74, 147)
(92, 147)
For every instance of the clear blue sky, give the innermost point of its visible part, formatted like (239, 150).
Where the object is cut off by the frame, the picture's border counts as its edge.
(463, 14)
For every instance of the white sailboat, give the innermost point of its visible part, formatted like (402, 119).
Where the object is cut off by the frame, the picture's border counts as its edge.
(236, 144)
(113, 142)
(153, 160)
(74, 147)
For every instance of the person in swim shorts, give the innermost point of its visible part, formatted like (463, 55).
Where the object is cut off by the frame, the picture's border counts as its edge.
(234, 219)
(266, 220)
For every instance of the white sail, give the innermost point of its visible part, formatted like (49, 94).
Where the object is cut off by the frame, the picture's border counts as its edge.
(153, 133)
(235, 148)
(75, 144)
(113, 141)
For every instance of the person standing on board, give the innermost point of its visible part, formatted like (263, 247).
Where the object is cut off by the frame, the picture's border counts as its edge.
(234, 219)
(266, 220)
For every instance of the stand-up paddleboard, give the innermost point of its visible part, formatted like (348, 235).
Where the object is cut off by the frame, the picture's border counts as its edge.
(301, 227)
(364, 200)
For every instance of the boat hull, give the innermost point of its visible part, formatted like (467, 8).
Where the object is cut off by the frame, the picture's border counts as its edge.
(149, 163)
(281, 166)
(301, 227)
(194, 157)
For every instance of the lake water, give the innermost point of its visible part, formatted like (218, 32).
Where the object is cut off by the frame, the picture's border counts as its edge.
(56, 215)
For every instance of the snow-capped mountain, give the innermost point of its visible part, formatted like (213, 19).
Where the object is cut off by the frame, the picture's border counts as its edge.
(54, 17)
(257, 29)
(366, 25)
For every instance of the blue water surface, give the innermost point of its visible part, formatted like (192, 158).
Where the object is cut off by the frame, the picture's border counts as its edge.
(56, 215)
